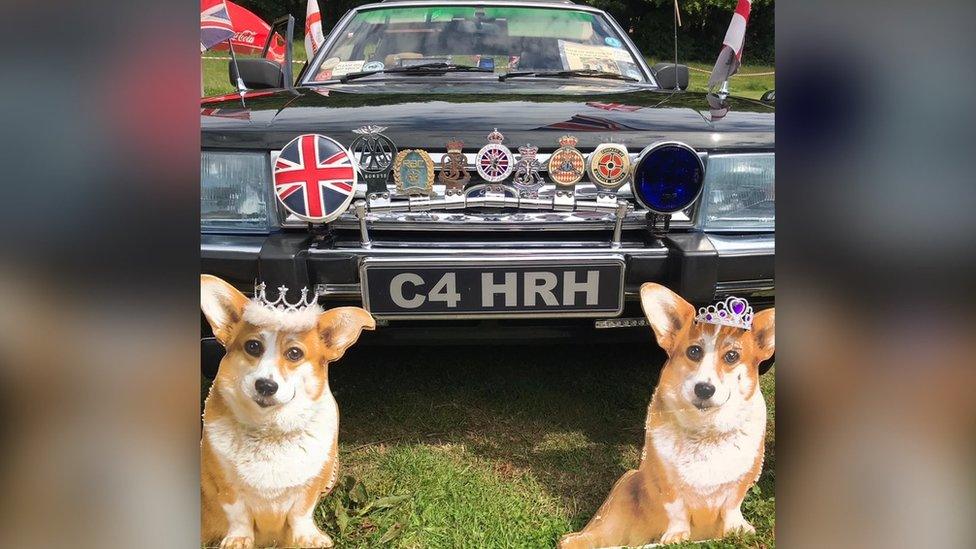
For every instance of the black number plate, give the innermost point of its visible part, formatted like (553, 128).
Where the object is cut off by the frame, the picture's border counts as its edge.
(490, 287)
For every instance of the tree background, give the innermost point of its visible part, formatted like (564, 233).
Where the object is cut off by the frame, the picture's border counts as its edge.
(649, 22)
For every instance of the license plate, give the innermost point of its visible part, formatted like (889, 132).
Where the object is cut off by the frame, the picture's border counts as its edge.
(493, 288)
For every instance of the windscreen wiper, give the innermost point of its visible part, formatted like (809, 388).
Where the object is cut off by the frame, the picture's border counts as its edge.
(424, 68)
(589, 73)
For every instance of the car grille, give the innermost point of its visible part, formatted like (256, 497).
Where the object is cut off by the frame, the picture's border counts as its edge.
(514, 215)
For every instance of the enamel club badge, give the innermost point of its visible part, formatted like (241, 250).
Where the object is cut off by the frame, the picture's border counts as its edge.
(413, 171)
(527, 179)
(609, 166)
(567, 165)
(494, 161)
(315, 178)
(454, 171)
(375, 152)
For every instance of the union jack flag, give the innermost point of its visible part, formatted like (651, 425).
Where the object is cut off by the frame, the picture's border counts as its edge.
(315, 178)
(614, 106)
(215, 25)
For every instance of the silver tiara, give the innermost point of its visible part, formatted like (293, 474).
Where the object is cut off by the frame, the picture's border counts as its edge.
(734, 311)
(282, 304)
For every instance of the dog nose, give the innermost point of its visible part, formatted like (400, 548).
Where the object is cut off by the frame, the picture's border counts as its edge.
(267, 387)
(704, 390)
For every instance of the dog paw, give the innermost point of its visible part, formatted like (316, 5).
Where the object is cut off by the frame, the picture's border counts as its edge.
(738, 526)
(237, 542)
(317, 540)
(675, 536)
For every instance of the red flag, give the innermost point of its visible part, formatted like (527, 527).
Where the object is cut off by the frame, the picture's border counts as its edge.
(215, 25)
(730, 58)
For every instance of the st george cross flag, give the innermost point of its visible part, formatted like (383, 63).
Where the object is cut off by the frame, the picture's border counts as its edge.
(315, 178)
(314, 38)
(215, 25)
(730, 57)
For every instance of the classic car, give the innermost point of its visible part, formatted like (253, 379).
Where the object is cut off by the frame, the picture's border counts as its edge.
(461, 226)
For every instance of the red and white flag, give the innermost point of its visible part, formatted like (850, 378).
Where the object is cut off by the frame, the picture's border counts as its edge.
(313, 29)
(730, 58)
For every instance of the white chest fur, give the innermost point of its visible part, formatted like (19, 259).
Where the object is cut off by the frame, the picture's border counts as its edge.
(704, 459)
(269, 463)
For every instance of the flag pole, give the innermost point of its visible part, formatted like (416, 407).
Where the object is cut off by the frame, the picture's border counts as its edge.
(677, 23)
(241, 88)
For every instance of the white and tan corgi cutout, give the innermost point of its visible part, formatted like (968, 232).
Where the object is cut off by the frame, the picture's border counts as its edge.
(270, 423)
(705, 430)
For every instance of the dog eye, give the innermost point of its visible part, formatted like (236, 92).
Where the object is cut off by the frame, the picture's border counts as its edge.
(253, 347)
(294, 354)
(731, 357)
(694, 352)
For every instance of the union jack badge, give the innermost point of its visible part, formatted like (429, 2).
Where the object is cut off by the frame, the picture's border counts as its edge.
(494, 161)
(527, 179)
(315, 178)
(413, 171)
(375, 152)
(609, 166)
(567, 165)
(454, 171)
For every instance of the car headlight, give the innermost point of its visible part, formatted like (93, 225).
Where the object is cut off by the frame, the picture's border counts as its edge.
(740, 193)
(235, 191)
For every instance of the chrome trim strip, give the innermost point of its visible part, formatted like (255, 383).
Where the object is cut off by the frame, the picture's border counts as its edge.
(555, 260)
(478, 251)
(338, 291)
(742, 245)
(765, 287)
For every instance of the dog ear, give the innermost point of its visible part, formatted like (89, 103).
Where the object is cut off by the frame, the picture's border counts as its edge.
(339, 328)
(222, 305)
(764, 333)
(666, 312)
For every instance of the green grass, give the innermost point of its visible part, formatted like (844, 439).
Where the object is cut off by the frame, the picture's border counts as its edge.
(215, 81)
(495, 447)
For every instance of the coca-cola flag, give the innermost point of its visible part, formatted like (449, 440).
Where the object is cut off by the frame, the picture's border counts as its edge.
(250, 34)
(730, 58)
(215, 24)
(313, 29)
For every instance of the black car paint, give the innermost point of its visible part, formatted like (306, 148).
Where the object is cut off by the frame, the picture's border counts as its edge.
(427, 114)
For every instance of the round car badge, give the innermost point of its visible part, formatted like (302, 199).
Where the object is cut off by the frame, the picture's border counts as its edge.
(567, 165)
(609, 166)
(375, 152)
(454, 171)
(494, 161)
(527, 179)
(413, 171)
(315, 178)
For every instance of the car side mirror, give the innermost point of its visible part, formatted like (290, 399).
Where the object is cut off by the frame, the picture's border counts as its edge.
(668, 74)
(768, 97)
(257, 74)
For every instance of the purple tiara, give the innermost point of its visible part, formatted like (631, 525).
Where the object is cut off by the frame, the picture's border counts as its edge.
(734, 311)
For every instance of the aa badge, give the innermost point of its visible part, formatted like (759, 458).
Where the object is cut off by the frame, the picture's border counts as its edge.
(494, 161)
(454, 171)
(609, 166)
(527, 179)
(567, 165)
(375, 153)
(413, 171)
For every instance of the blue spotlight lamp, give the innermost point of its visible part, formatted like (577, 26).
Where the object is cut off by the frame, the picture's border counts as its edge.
(668, 177)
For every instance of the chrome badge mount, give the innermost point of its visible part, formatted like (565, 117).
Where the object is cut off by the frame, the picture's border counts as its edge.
(527, 178)
(494, 161)
(375, 153)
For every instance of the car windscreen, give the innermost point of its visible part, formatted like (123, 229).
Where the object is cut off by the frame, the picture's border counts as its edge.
(502, 39)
